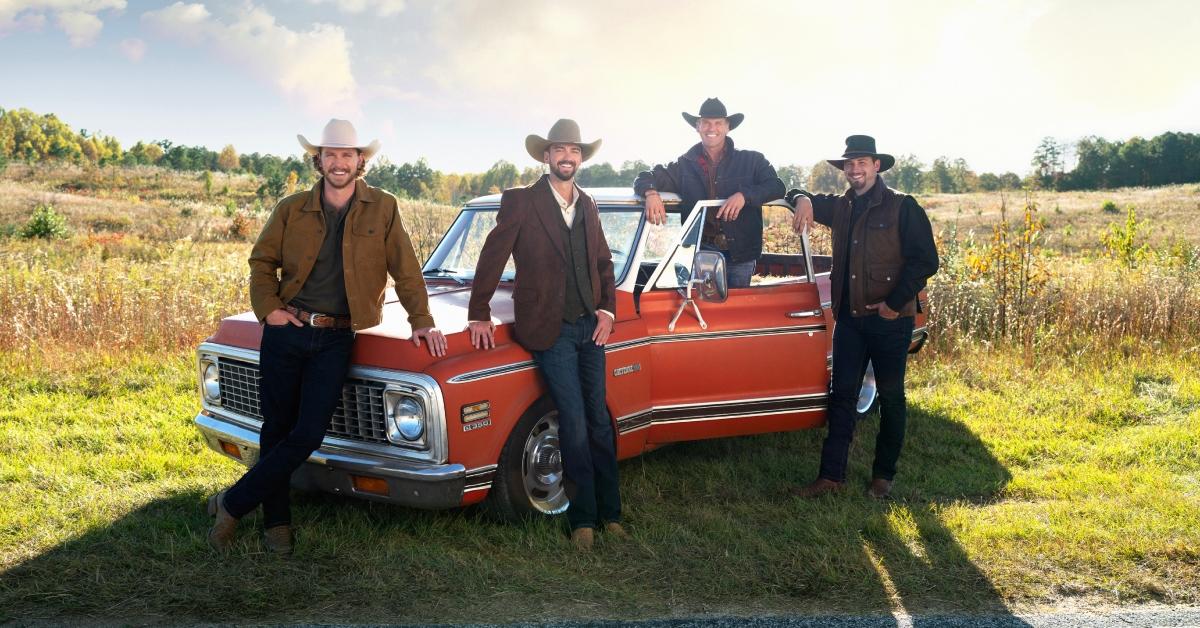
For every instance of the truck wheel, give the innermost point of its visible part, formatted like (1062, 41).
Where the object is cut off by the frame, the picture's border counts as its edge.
(868, 395)
(529, 475)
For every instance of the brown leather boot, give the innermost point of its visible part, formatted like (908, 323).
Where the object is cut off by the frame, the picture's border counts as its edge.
(818, 487)
(616, 530)
(278, 540)
(220, 536)
(880, 489)
(582, 539)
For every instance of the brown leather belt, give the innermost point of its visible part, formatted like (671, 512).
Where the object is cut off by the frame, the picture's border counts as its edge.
(314, 319)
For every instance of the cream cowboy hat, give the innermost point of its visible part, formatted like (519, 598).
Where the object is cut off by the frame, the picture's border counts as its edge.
(339, 134)
(563, 132)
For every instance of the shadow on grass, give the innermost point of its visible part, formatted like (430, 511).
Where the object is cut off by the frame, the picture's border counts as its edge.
(713, 532)
(847, 553)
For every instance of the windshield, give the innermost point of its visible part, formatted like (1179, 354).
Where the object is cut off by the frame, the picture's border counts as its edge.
(458, 252)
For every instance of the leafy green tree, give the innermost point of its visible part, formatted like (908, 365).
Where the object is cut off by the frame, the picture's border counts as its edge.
(501, 176)
(227, 160)
(630, 171)
(793, 176)
(598, 176)
(906, 174)
(825, 179)
(939, 179)
(45, 223)
(1047, 163)
(989, 182)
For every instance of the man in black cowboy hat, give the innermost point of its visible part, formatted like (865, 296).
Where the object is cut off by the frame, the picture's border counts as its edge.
(883, 253)
(715, 169)
(563, 304)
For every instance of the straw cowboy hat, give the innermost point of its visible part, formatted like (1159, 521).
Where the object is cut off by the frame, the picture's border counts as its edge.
(339, 134)
(862, 146)
(714, 108)
(563, 132)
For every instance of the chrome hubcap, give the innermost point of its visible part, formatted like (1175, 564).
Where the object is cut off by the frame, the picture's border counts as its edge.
(541, 467)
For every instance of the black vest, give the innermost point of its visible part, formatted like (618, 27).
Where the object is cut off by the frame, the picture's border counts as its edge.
(578, 295)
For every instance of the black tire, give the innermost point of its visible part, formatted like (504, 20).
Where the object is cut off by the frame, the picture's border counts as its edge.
(529, 475)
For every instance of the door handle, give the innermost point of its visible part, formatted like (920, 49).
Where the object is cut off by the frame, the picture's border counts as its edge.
(805, 313)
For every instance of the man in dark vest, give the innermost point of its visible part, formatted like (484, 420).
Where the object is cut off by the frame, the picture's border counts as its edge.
(564, 300)
(883, 253)
(715, 169)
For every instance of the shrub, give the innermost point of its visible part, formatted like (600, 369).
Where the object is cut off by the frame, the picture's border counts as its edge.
(242, 227)
(1109, 207)
(45, 223)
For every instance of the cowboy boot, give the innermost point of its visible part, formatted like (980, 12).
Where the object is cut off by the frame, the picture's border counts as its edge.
(880, 489)
(582, 539)
(220, 536)
(278, 540)
(616, 530)
(820, 486)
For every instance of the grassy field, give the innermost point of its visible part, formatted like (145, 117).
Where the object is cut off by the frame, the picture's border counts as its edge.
(1053, 455)
(1078, 481)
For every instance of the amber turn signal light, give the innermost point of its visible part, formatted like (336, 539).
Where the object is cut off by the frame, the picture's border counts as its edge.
(375, 486)
(231, 449)
(476, 411)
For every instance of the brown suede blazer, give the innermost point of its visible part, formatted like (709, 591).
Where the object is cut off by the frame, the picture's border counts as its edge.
(529, 227)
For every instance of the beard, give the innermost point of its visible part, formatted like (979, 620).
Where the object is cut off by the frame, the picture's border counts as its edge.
(554, 170)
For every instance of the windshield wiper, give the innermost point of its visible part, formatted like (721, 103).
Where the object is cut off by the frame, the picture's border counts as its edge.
(444, 272)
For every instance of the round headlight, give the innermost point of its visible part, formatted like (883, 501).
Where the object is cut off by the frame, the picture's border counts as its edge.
(410, 418)
(212, 382)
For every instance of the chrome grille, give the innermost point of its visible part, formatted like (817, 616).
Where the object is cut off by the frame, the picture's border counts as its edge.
(358, 416)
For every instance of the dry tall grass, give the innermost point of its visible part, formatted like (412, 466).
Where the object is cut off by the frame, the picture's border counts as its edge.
(146, 274)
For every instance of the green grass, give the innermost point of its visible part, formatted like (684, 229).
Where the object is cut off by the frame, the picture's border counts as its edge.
(1056, 465)
(1017, 487)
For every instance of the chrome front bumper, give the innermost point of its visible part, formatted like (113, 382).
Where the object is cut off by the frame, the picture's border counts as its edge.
(410, 483)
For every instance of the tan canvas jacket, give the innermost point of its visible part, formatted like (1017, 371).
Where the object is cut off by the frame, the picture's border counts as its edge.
(374, 246)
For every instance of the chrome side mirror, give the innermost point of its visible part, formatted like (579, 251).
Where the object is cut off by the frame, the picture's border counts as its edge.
(708, 275)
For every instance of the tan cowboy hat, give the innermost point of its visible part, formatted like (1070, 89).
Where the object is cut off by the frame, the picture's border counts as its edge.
(339, 134)
(563, 132)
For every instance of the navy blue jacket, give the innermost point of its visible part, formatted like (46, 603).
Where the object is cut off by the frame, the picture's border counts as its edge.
(744, 171)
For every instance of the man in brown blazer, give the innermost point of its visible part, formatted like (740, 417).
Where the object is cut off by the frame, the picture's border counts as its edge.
(564, 299)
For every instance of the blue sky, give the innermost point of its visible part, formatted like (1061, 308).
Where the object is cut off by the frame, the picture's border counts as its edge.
(462, 83)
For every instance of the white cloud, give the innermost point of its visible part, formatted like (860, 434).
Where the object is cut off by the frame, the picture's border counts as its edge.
(311, 68)
(133, 49)
(81, 28)
(382, 8)
(77, 18)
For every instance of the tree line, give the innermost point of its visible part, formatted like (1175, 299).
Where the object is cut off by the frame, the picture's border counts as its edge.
(1098, 164)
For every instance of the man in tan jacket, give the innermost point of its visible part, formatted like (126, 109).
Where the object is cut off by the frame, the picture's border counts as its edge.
(317, 275)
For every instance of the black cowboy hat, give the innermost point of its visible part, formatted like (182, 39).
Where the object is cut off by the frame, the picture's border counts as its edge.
(862, 146)
(713, 108)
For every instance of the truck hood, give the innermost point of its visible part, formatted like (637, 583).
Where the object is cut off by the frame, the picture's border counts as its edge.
(388, 344)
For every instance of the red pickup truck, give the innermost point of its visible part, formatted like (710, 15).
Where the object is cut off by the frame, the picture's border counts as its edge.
(688, 359)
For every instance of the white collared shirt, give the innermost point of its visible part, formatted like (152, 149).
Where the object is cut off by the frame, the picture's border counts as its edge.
(568, 209)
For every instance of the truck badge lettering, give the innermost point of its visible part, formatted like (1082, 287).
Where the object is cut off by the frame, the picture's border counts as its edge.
(625, 370)
(476, 425)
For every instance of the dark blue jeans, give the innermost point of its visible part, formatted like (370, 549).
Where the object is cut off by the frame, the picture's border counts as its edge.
(857, 340)
(302, 371)
(574, 372)
(737, 274)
